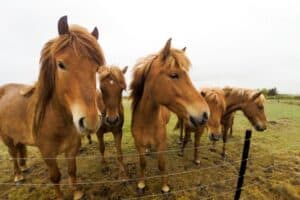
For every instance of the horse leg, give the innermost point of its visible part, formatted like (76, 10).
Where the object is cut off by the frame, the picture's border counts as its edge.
(180, 122)
(89, 137)
(55, 175)
(187, 135)
(13, 151)
(100, 135)
(71, 158)
(213, 147)
(22, 150)
(231, 129)
(223, 154)
(141, 183)
(118, 143)
(198, 134)
(162, 166)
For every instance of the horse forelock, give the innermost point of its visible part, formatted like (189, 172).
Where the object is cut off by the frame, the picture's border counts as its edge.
(116, 74)
(82, 43)
(176, 59)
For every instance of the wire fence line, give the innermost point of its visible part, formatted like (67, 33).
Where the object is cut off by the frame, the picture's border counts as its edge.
(130, 154)
(176, 192)
(200, 169)
(198, 188)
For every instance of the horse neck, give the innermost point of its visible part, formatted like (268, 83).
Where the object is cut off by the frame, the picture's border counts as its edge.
(148, 107)
(235, 102)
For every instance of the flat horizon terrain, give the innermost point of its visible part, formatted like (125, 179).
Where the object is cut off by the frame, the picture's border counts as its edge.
(273, 170)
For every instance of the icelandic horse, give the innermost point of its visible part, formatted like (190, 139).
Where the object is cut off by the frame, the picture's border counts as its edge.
(215, 99)
(161, 80)
(58, 108)
(112, 83)
(250, 102)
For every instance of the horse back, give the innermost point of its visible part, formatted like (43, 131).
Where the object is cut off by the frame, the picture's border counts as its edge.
(16, 113)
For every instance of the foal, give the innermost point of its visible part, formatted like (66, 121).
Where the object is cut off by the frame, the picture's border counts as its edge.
(162, 80)
(112, 84)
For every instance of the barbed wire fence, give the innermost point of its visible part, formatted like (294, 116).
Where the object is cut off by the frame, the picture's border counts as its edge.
(132, 154)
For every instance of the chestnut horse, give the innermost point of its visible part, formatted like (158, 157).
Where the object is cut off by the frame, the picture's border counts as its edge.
(61, 106)
(162, 80)
(216, 102)
(112, 84)
(250, 102)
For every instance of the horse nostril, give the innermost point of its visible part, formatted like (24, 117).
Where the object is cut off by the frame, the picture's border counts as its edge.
(205, 117)
(112, 120)
(81, 122)
(193, 121)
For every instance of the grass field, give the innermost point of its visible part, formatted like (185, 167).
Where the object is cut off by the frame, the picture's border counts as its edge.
(273, 169)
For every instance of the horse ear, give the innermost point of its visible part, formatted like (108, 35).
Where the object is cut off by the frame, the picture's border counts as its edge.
(95, 33)
(101, 69)
(166, 49)
(203, 93)
(183, 49)
(63, 27)
(124, 70)
(256, 95)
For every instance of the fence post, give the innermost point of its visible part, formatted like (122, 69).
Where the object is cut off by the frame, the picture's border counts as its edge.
(243, 164)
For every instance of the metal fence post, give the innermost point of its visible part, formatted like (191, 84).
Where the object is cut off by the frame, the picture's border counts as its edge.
(243, 166)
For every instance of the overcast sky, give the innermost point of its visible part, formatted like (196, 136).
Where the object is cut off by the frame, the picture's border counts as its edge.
(251, 43)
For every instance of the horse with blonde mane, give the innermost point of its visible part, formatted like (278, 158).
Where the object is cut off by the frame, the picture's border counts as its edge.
(250, 102)
(215, 99)
(61, 106)
(162, 80)
(112, 84)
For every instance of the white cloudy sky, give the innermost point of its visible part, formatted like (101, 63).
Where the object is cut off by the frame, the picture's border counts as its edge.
(251, 43)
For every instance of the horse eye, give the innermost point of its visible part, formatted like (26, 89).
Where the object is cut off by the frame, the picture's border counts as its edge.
(260, 107)
(174, 76)
(61, 65)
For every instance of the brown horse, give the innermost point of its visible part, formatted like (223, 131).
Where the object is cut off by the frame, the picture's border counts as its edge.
(112, 84)
(215, 99)
(61, 106)
(250, 102)
(162, 80)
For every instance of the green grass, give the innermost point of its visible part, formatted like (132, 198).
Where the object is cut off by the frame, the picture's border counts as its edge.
(273, 169)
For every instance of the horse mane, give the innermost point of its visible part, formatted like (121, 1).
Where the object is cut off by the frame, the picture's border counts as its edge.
(176, 58)
(243, 93)
(82, 43)
(215, 95)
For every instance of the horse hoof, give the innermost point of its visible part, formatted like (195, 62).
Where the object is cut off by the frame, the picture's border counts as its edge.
(19, 179)
(141, 188)
(147, 152)
(224, 156)
(197, 162)
(180, 153)
(78, 195)
(165, 189)
(105, 170)
(24, 169)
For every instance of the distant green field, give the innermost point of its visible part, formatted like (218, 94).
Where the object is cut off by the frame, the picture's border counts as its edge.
(273, 171)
